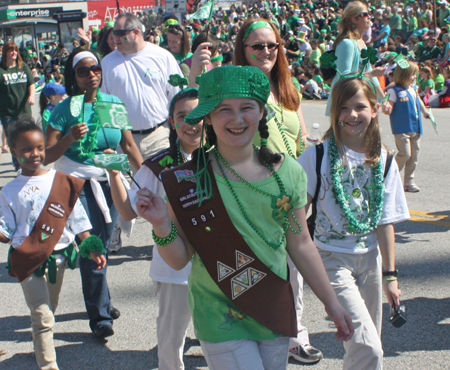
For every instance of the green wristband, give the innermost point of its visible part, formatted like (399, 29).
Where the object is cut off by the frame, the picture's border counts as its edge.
(390, 278)
(162, 242)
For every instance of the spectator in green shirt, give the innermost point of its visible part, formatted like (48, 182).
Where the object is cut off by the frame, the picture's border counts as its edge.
(444, 13)
(396, 21)
(314, 58)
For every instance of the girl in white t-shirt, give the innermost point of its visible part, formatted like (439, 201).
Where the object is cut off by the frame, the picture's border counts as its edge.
(171, 285)
(356, 210)
(21, 203)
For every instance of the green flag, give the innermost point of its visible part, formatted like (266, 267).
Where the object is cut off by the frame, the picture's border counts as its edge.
(204, 12)
(118, 162)
(113, 115)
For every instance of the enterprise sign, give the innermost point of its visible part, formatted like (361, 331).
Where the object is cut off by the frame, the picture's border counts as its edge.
(29, 13)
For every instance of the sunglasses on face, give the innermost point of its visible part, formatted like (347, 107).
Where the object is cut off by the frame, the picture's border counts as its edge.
(260, 46)
(364, 14)
(85, 71)
(120, 33)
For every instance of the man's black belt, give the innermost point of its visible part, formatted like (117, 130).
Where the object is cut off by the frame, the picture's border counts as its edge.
(149, 130)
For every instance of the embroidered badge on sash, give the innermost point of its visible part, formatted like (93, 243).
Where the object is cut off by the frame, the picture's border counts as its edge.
(180, 174)
(237, 289)
(44, 236)
(223, 271)
(56, 210)
(242, 260)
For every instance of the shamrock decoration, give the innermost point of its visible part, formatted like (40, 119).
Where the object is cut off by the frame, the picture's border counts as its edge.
(177, 80)
(327, 60)
(281, 204)
(401, 61)
(167, 161)
(370, 55)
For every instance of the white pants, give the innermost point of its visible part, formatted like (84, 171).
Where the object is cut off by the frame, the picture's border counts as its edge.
(247, 354)
(357, 281)
(172, 322)
(42, 300)
(296, 280)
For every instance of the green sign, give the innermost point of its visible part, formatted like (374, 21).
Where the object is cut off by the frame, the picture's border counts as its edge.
(29, 13)
(113, 115)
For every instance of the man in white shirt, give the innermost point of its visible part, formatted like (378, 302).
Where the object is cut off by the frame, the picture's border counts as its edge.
(137, 73)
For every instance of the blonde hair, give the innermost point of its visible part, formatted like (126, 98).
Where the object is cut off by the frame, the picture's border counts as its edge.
(347, 29)
(343, 90)
(403, 76)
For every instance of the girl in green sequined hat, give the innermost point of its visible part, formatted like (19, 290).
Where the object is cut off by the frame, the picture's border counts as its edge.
(264, 197)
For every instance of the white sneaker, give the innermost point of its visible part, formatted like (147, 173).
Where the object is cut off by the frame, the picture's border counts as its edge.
(115, 243)
(306, 354)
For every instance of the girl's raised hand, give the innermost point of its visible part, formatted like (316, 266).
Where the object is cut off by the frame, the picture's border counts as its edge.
(342, 320)
(201, 58)
(152, 207)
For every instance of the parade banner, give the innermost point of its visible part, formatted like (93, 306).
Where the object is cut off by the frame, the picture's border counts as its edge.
(100, 12)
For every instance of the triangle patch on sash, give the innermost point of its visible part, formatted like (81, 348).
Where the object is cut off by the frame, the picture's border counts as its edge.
(237, 289)
(242, 260)
(44, 236)
(256, 276)
(243, 278)
(223, 271)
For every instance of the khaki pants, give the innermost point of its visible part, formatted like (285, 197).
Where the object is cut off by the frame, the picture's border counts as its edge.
(172, 322)
(408, 146)
(42, 300)
(153, 143)
(296, 280)
(357, 281)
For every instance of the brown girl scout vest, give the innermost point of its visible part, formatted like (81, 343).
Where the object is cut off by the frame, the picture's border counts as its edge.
(246, 281)
(49, 226)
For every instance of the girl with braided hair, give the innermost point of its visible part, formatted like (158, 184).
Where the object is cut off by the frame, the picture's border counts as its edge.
(237, 211)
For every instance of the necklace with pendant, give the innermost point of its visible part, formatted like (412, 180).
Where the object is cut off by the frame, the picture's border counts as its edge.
(375, 208)
(280, 203)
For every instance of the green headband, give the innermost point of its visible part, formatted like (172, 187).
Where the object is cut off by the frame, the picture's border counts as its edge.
(178, 97)
(215, 59)
(255, 25)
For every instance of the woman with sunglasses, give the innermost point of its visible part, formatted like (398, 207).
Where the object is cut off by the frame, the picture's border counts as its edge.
(178, 42)
(259, 44)
(349, 43)
(72, 120)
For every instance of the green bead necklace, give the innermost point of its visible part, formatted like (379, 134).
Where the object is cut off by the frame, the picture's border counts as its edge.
(181, 158)
(280, 203)
(283, 134)
(377, 193)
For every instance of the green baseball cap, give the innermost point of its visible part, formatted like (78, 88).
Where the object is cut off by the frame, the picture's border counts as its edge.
(228, 82)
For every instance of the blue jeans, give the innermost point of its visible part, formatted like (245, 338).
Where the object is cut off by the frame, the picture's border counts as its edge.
(95, 286)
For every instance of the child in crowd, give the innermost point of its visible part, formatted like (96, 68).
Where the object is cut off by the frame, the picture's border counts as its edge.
(51, 95)
(171, 285)
(41, 221)
(239, 295)
(356, 208)
(406, 108)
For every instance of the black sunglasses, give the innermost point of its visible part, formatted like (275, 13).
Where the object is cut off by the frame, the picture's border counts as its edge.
(120, 33)
(261, 46)
(85, 71)
(364, 14)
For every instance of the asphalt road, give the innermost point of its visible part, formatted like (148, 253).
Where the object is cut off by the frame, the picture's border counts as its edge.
(422, 259)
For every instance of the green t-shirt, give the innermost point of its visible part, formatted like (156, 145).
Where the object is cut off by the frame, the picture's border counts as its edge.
(412, 24)
(62, 120)
(396, 20)
(290, 124)
(14, 91)
(180, 56)
(314, 58)
(296, 84)
(215, 317)
(318, 79)
(439, 81)
(428, 83)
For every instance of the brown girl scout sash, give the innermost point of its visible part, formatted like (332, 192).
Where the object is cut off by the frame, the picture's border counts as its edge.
(153, 162)
(49, 226)
(246, 281)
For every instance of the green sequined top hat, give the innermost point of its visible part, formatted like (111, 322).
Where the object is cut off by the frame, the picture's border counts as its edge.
(228, 82)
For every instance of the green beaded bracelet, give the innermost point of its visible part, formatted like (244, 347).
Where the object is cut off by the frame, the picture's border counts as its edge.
(390, 278)
(162, 242)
